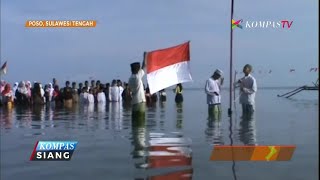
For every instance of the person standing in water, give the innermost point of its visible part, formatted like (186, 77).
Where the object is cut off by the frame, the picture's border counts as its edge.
(212, 89)
(114, 94)
(7, 95)
(67, 94)
(162, 95)
(137, 89)
(75, 95)
(178, 91)
(248, 89)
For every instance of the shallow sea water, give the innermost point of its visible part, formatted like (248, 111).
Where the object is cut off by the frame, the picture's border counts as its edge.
(175, 142)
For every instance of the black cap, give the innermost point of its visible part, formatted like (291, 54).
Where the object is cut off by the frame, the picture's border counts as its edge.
(135, 65)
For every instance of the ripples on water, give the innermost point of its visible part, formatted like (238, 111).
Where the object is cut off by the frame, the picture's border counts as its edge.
(151, 150)
(161, 147)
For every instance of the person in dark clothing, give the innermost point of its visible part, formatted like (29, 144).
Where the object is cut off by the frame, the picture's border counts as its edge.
(93, 83)
(86, 84)
(54, 82)
(126, 94)
(178, 91)
(148, 95)
(154, 97)
(162, 95)
(98, 84)
(107, 91)
(37, 98)
(67, 94)
(47, 93)
(80, 88)
(75, 95)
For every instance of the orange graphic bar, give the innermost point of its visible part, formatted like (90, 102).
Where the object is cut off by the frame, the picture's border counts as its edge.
(61, 24)
(252, 153)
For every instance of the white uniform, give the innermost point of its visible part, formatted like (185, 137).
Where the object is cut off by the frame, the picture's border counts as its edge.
(101, 97)
(212, 87)
(248, 91)
(114, 94)
(90, 98)
(136, 87)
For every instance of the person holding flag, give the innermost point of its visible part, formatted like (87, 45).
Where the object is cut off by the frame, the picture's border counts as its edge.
(136, 86)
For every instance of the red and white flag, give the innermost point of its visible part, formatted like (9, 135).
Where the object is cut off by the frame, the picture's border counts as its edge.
(3, 69)
(168, 67)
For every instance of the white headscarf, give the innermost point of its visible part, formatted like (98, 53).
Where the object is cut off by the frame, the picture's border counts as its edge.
(41, 90)
(22, 88)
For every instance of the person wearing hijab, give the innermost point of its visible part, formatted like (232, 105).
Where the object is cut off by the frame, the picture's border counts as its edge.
(37, 98)
(22, 94)
(7, 95)
(29, 88)
(50, 91)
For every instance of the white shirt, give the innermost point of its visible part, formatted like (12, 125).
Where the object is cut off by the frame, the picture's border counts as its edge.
(114, 94)
(136, 86)
(101, 97)
(249, 85)
(120, 92)
(212, 87)
(84, 97)
(90, 98)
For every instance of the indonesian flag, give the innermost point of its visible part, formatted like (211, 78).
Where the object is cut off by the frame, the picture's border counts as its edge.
(168, 67)
(3, 69)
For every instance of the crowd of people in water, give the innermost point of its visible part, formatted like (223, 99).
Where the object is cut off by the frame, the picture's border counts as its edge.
(25, 94)
(134, 92)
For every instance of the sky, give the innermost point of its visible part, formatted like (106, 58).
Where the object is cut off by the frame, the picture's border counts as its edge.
(126, 28)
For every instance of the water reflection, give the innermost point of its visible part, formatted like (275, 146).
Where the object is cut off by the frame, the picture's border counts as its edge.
(247, 129)
(162, 114)
(6, 116)
(152, 116)
(213, 132)
(115, 112)
(160, 150)
(179, 109)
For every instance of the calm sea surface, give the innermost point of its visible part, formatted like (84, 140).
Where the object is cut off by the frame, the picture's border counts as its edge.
(111, 148)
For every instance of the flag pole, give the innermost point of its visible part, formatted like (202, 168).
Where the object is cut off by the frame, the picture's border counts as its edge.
(231, 62)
